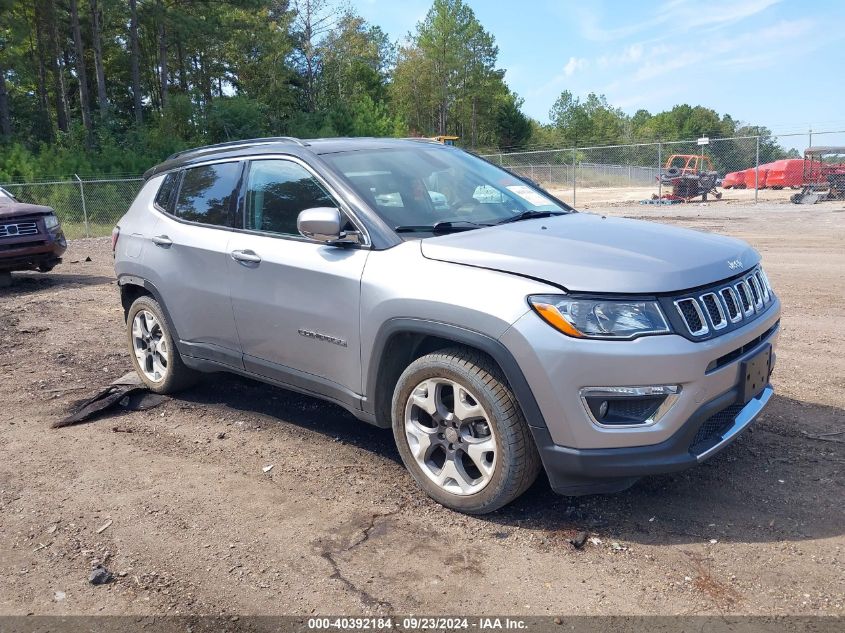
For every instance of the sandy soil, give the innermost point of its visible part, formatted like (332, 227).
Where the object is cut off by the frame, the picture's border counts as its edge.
(625, 196)
(337, 525)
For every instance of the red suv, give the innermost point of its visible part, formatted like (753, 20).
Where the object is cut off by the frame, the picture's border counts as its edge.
(31, 237)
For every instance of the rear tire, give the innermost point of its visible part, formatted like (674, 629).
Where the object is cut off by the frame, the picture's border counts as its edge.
(154, 355)
(461, 433)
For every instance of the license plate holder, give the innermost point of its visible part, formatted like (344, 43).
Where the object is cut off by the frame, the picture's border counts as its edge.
(755, 374)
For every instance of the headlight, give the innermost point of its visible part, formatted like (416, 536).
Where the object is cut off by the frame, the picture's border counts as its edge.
(51, 222)
(600, 318)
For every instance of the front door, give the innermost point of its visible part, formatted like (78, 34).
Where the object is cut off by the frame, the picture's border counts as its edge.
(296, 302)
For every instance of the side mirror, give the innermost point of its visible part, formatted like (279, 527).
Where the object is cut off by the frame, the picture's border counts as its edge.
(322, 224)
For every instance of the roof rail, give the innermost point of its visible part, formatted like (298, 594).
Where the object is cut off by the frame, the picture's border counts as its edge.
(242, 142)
(422, 139)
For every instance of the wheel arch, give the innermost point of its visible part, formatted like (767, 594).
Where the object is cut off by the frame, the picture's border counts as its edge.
(132, 287)
(400, 341)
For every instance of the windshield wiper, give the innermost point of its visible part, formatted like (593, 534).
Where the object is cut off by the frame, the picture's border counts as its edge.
(530, 215)
(440, 227)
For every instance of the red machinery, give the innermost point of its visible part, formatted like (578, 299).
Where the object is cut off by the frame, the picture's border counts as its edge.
(785, 173)
(734, 180)
(823, 175)
(690, 176)
(760, 176)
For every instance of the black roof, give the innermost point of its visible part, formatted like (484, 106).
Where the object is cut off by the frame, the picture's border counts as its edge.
(280, 144)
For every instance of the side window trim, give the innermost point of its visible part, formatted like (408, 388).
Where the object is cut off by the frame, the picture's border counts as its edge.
(238, 210)
(171, 199)
(170, 212)
(342, 205)
(174, 196)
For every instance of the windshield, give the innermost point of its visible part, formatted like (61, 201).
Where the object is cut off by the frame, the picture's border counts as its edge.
(416, 189)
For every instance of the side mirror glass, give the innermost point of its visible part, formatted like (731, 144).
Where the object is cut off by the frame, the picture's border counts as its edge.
(322, 224)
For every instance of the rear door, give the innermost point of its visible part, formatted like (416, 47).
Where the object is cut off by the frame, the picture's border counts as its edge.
(189, 255)
(296, 302)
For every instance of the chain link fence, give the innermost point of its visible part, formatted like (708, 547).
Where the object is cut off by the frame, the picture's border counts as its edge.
(747, 168)
(85, 207)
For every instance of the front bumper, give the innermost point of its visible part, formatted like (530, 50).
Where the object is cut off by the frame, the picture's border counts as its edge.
(573, 472)
(583, 457)
(26, 253)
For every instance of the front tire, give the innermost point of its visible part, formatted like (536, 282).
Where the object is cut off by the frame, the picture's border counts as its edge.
(461, 433)
(154, 354)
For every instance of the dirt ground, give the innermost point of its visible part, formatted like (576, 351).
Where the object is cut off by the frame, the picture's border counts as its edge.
(337, 526)
(625, 196)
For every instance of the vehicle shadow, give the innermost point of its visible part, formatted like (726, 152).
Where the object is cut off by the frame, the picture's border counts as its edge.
(29, 282)
(284, 406)
(782, 480)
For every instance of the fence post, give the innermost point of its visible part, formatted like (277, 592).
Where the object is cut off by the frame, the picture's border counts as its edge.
(573, 176)
(84, 209)
(659, 168)
(757, 172)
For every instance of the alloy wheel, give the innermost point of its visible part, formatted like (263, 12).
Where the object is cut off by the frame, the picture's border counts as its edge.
(150, 346)
(450, 436)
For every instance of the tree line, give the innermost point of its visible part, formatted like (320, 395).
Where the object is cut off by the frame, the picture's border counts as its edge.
(111, 87)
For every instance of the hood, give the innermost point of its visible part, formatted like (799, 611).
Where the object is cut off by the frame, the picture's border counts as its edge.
(10, 209)
(589, 253)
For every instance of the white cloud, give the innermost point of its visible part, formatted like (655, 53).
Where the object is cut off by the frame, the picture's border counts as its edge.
(674, 67)
(574, 64)
(674, 16)
(631, 54)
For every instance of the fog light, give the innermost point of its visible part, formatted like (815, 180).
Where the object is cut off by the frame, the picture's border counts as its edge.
(628, 406)
(603, 409)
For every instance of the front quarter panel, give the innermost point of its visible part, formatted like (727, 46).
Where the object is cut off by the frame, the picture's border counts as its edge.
(399, 283)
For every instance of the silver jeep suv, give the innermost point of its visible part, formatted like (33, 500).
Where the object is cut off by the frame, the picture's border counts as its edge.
(496, 330)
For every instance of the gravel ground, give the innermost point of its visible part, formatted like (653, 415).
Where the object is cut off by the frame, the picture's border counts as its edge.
(195, 525)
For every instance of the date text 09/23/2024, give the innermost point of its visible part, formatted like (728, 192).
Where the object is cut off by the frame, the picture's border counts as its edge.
(416, 623)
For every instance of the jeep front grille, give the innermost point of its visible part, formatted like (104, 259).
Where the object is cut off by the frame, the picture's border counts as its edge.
(18, 229)
(693, 316)
(726, 304)
(713, 306)
(729, 297)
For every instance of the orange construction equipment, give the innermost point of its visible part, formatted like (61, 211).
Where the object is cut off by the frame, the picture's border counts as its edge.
(785, 173)
(690, 176)
(824, 175)
(734, 180)
(761, 177)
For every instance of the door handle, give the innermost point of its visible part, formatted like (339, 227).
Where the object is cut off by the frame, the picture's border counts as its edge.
(246, 257)
(162, 240)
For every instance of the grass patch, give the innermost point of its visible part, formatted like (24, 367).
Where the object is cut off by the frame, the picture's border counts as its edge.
(76, 230)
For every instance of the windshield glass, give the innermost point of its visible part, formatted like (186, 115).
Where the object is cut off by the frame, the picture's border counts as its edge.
(426, 186)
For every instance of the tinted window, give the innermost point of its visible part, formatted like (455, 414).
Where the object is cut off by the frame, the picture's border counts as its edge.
(165, 192)
(206, 193)
(277, 190)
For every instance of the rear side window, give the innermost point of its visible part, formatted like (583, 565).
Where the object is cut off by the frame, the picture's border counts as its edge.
(206, 193)
(166, 190)
(277, 190)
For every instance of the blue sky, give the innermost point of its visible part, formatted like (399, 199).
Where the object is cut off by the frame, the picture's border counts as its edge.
(777, 63)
